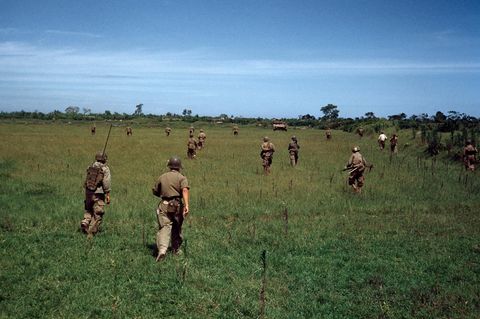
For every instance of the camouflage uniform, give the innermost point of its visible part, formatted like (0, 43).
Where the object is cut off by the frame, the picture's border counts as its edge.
(360, 131)
(201, 139)
(192, 145)
(191, 130)
(293, 148)
(357, 165)
(96, 199)
(393, 143)
(171, 187)
(266, 153)
(167, 131)
(129, 131)
(469, 156)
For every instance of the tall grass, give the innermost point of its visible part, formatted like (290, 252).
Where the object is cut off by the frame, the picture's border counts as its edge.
(407, 247)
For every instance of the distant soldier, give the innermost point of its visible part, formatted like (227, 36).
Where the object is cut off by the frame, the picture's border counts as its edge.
(356, 165)
(328, 133)
(360, 131)
(393, 144)
(192, 145)
(129, 131)
(167, 131)
(469, 155)
(97, 194)
(172, 187)
(201, 139)
(266, 153)
(381, 140)
(191, 130)
(293, 148)
(235, 130)
(93, 129)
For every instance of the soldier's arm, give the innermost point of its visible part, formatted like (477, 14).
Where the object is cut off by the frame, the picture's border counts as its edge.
(156, 189)
(186, 199)
(106, 183)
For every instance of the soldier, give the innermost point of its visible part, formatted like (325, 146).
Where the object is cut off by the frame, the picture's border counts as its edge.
(266, 153)
(235, 130)
(381, 140)
(167, 131)
(192, 145)
(171, 187)
(93, 129)
(469, 155)
(393, 144)
(191, 130)
(129, 131)
(201, 139)
(97, 194)
(360, 132)
(328, 133)
(293, 148)
(356, 165)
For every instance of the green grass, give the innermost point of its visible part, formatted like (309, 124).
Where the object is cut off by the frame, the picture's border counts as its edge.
(407, 247)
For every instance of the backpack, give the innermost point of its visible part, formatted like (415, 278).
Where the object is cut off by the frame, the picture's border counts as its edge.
(94, 177)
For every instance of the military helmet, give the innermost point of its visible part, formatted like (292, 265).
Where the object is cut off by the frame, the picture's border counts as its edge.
(355, 149)
(266, 139)
(101, 157)
(294, 138)
(174, 163)
(468, 142)
(201, 130)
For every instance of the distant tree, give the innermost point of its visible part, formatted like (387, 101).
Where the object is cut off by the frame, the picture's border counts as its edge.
(397, 117)
(138, 109)
(72, 110)
(330, 112)
(187, 112)
(439, 117)
(370, 115)
(86, 111)
(306, 117)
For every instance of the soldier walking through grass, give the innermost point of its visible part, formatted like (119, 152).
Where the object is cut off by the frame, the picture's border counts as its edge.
(381, 140)
(129, 131)
(173, 189)
(192, 145)
(167, 131)
(328, 133)
(235, 130)
(266, 153)
(293, 148)
(97, 194)
(356, 166)
(469, 155)
(393, 144)
(93, 129)
(201, 139)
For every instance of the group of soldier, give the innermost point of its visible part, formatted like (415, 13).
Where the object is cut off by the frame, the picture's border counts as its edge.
(173, 189)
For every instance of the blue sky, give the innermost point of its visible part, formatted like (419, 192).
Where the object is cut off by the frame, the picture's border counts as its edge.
(244, 58)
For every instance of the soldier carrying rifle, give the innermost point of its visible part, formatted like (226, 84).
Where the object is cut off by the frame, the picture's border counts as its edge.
(356, 166)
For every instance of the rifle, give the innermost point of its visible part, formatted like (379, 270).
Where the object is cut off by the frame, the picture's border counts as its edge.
(108, 136)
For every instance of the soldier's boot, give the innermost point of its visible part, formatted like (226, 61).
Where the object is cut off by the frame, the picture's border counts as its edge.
(160, 257)
(84, 227)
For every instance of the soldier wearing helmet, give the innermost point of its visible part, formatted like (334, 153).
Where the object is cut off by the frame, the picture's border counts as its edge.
(192, 146)
(266, 153)
(393, 144)
(97, 194)
(235, 130)
(201, 139)
(173, 189)
(93, 129)
(381, 140)
(129, 131)
(356, 165)
(469, 155)
(168, 130)
(293, 148)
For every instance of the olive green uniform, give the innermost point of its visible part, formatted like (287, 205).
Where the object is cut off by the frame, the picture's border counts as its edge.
(169, 187)
(192, 148)
(293, 148)
(95, 201)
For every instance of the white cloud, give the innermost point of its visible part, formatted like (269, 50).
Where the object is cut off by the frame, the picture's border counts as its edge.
(73, 33)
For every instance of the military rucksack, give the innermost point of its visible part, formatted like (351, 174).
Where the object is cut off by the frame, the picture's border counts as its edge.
(94, 177)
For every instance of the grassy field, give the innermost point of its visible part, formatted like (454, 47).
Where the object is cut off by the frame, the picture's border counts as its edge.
(407, 247)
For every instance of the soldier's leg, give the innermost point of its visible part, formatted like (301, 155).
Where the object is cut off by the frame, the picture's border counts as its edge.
(292, 159)
(98, 212)
(85, 223)
(163, 234)
(176, 235)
